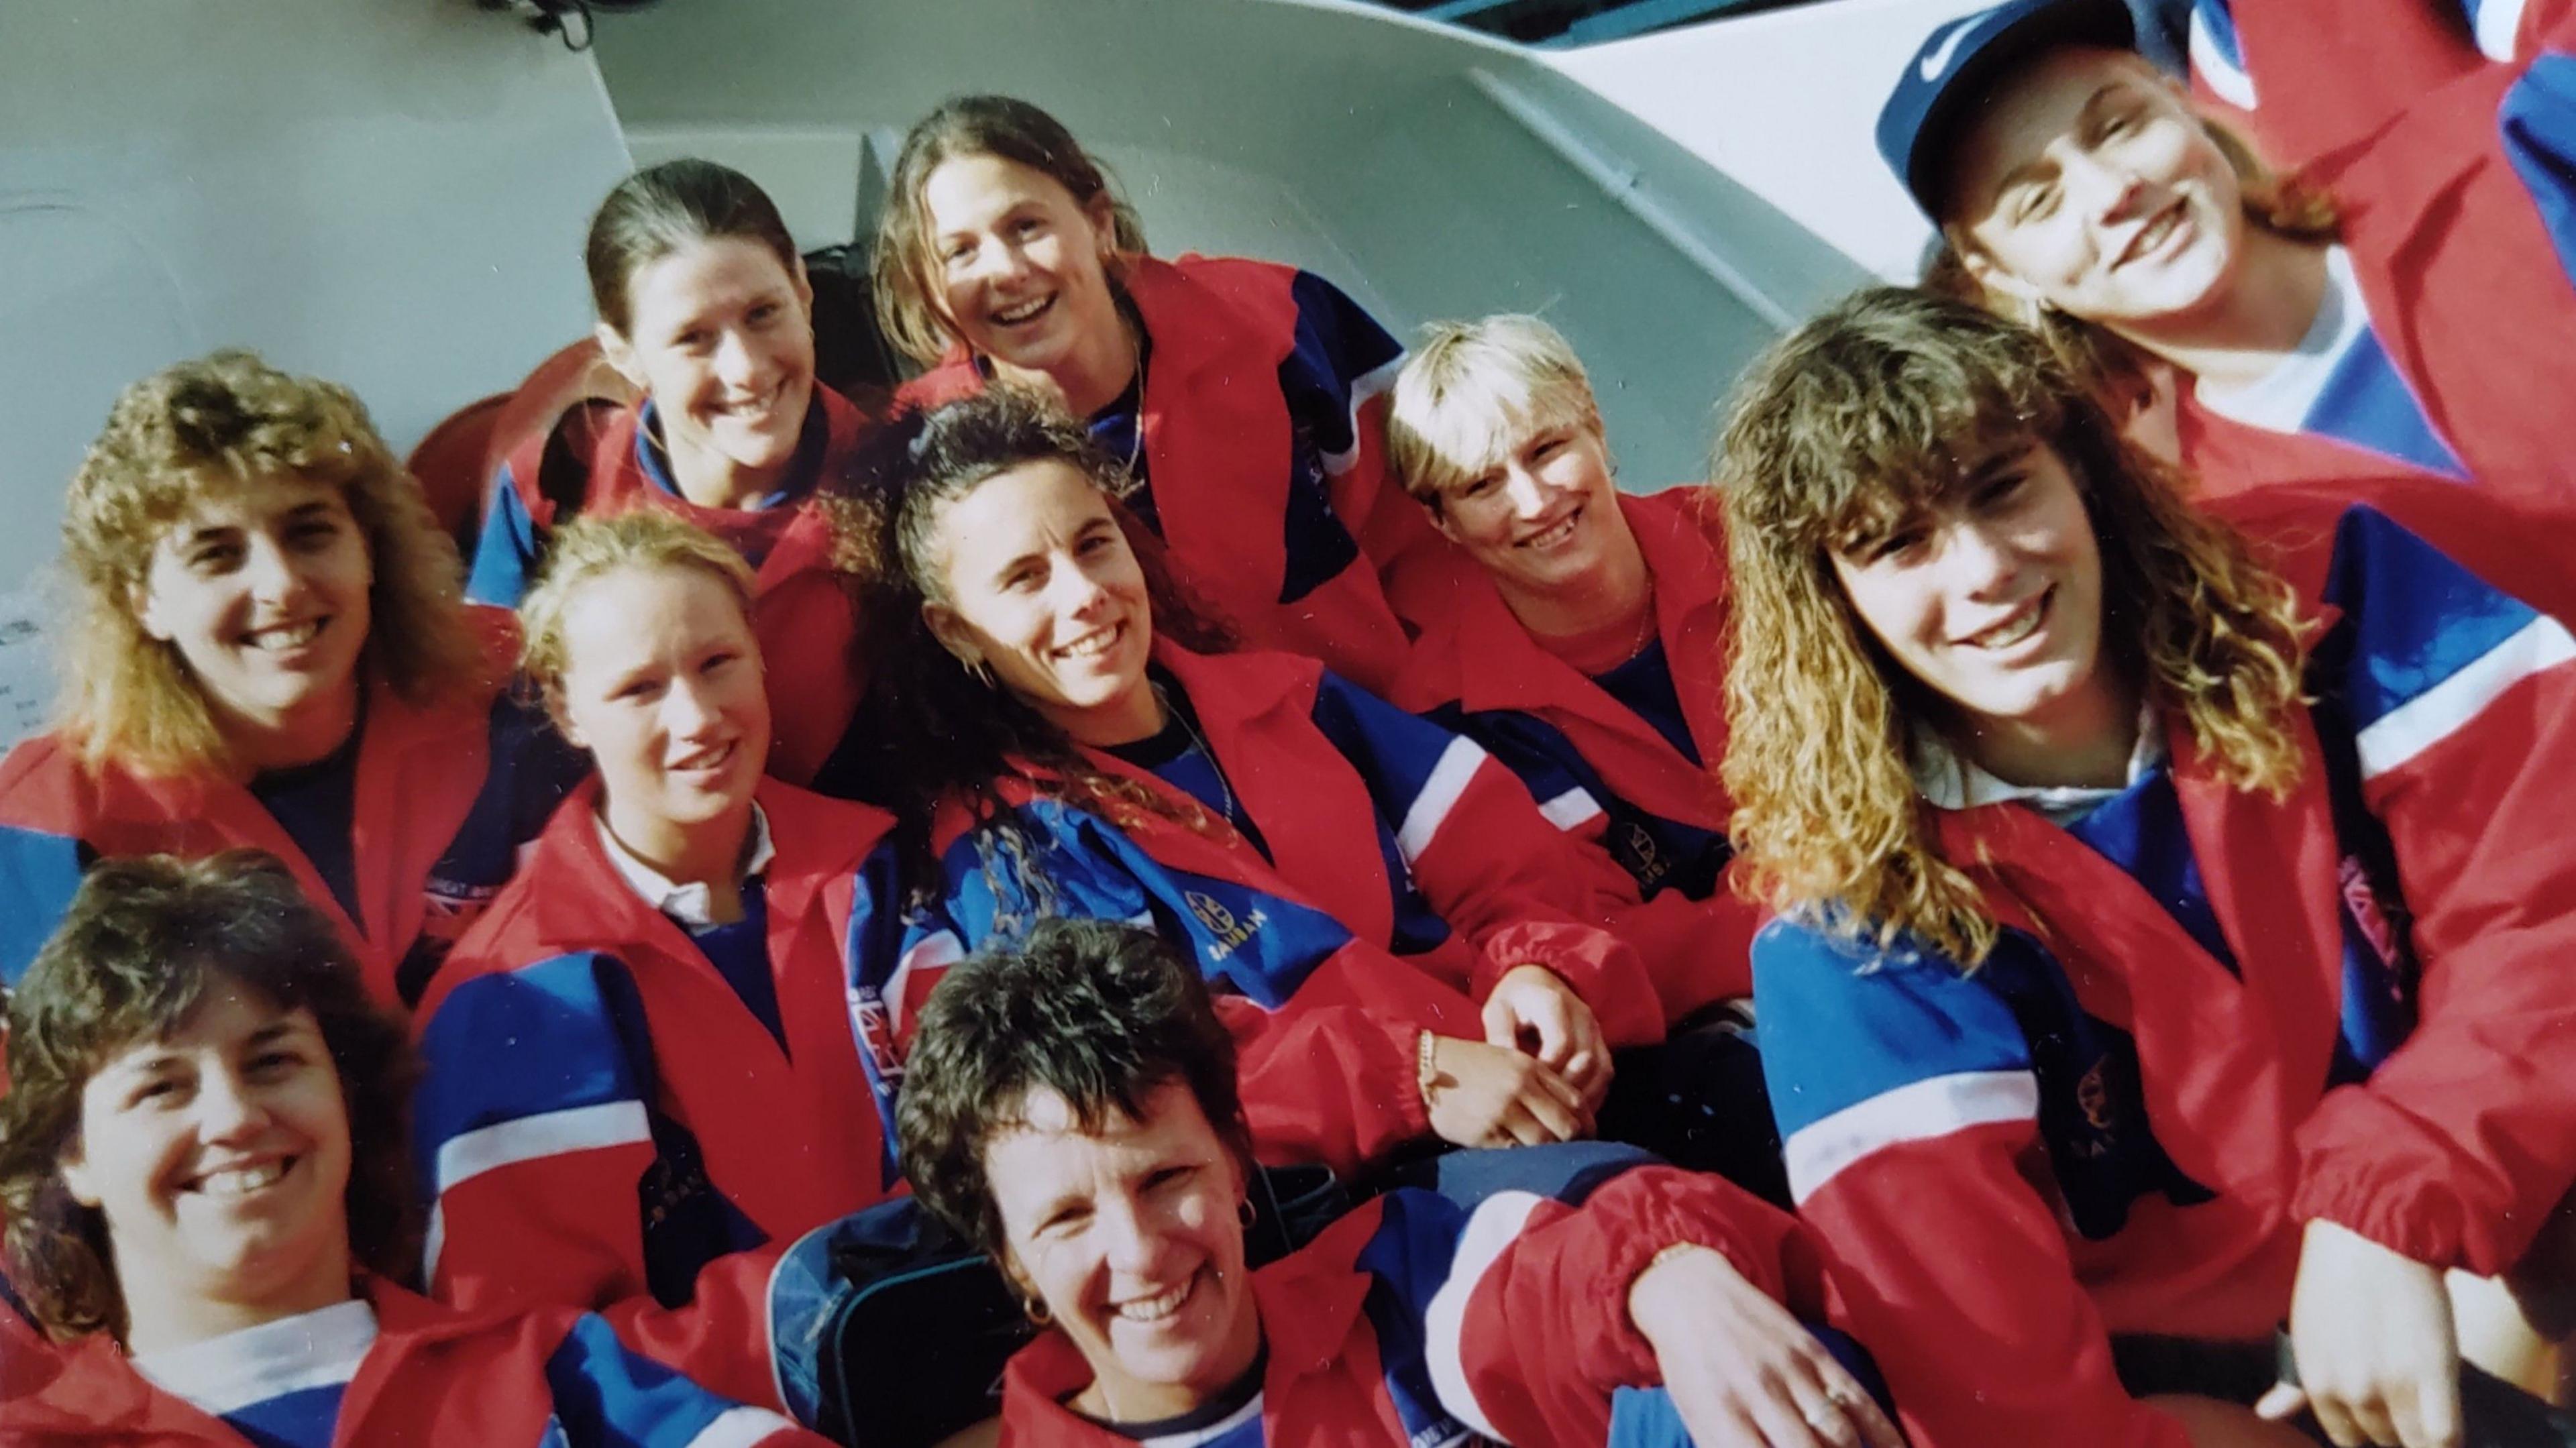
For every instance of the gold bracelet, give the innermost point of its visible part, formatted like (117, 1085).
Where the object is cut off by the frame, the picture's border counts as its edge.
(1425, 1073)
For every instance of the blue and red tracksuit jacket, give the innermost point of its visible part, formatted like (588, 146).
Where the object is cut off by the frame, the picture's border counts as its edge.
(444, 795)
(2211, 1018)
(435, 1376)
(2454, 173)
(1264, 423)
(804, 612)
(1406, 872)
(1421, 1319)
(1605, 773)
(606, 1124)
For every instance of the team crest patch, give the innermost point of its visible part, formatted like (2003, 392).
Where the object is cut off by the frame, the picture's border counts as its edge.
(1231, 932)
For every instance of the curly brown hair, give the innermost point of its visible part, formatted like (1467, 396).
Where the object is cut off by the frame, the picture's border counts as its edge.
(1857, 419)
(933, 733)
(906, 275)
(146, 941)
(1098, 1012)
(225, 421)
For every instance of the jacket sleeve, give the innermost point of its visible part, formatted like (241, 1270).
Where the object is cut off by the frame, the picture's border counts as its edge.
(607, 1397)
(506, 548)
(1336, 379)
(1490, 863)
(2462, 706)
(1909, 1109)
(532, 1132)
(1325, 1026)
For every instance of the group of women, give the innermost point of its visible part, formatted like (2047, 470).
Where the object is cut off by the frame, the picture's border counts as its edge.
(2100, 715)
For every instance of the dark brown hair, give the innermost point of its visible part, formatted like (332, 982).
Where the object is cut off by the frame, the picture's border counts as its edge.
(933, 732)
(1101, 1014)
(663, 208)
(146, 942)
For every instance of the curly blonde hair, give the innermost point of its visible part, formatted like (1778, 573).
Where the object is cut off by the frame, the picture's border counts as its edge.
(229, 420)
(1856, 421)
(593, 545)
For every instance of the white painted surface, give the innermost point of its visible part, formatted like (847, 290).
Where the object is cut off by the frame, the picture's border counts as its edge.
(386, 192)
(1353, 141)
(1786, 102)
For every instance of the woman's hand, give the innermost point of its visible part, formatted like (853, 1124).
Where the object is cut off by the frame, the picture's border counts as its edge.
(1481, 1094)
(2378, 1361)
(1740, 1369)
(1533, 1011)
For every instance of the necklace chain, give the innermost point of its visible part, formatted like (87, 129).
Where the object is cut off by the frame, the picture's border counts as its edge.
(1224, 789)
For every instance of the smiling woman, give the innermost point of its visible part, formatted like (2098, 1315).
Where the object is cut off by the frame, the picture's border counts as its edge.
(1073, 1111)
(686, 991)
(705, 310)
(2132, 844)
(207, 1189)
(1245, 397)
(271, 649)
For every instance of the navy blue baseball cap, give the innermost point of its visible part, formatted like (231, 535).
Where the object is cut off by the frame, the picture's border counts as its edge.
(1957, 63)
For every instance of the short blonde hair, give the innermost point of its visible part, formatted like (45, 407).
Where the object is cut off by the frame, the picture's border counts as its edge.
(228, 421)
(592, 546)
(1474, 388)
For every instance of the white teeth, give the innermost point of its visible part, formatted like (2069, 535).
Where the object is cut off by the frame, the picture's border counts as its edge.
(241, 1182)
(286, 636)
(1555, 535)
(1090, 646)
(704, 762)
(1022, 312)
(2005, 635)
(2156, 231)
(1154, 1309)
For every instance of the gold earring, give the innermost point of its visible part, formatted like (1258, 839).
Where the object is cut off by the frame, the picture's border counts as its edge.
(1036, 1309)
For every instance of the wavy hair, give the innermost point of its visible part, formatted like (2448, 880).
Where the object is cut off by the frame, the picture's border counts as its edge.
(230, 421)
(592, 545)
(1850, 424)
(905, 267)
(146, 942)
(931, 732)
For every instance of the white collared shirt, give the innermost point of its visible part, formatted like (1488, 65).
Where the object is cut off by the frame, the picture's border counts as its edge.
(691, 906)
(1951, 780)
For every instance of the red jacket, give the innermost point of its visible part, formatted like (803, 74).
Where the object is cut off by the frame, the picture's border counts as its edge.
(1479, 670)
(1337, 961)
(582, 1048)
(1418, 1320)
(804, 614)
(436, 825)
(2137, 1104)
(436, 1378)
(2461, 220)
(1224, 441)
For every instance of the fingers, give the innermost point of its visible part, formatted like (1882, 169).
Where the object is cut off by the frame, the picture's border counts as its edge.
(2427, 1413)
(1555, 1106)
(2280, 1403)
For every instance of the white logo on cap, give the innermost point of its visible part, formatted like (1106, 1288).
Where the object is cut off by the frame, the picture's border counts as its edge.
(1939, 60)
